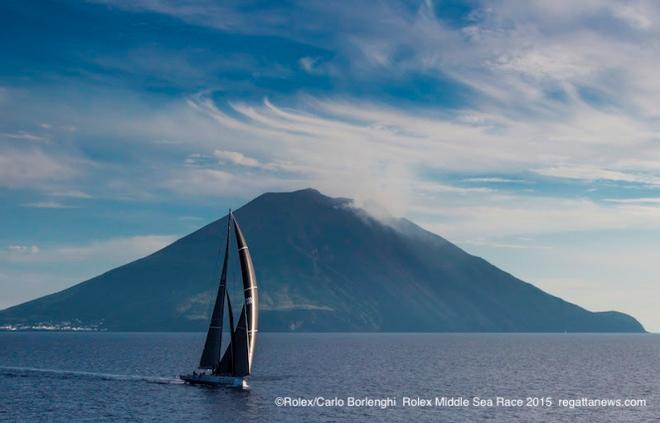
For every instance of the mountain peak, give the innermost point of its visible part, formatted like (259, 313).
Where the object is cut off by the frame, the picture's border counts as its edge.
(299, 199)
(305, 192)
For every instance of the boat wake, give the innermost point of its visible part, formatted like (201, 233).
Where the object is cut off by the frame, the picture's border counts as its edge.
(67, 374)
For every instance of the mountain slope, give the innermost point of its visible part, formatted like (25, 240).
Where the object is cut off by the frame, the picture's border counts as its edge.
(322, 266)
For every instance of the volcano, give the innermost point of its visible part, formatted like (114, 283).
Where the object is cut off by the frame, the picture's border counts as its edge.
(322, 265)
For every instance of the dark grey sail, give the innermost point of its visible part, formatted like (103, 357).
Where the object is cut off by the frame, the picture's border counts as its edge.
(241, 364)
(249, 313)
(226, 365)
(213, 342)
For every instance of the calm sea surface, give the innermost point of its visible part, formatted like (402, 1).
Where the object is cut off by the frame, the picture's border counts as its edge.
(132, 377)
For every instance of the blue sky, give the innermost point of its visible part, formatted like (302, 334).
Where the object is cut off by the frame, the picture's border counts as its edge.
(525, 132)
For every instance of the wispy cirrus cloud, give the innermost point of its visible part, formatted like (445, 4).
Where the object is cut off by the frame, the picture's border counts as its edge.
(70, 194)
(118, 250)
(23, 249)
(23, 136)
(47, 205)
(495, 180)
(643, 200)
(22, 168)
(317, 139)
(594, 173)
(507, 52)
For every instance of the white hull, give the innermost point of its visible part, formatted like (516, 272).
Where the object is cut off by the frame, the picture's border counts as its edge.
(215, 380)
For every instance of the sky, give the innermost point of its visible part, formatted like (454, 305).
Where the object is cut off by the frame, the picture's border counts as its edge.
(525, 132)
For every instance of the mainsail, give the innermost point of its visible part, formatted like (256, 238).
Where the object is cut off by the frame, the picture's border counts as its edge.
(213, 341)
(237, 358)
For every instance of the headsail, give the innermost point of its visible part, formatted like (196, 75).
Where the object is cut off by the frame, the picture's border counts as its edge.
(211, 352)
(249, 313)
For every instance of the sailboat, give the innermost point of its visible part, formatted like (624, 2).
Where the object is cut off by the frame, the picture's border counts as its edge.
(232, 366)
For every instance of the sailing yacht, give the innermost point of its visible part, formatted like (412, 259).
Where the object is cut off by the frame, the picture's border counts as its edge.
(232, 366)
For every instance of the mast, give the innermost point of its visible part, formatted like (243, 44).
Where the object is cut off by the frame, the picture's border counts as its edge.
(211, 353)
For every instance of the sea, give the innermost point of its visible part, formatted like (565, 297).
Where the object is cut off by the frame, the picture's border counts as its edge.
(314, 377)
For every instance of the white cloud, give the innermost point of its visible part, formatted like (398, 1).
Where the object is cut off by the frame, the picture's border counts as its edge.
(23, 249)
(593, 173)
(647, 200)
(496, 180)
(205, 182)
(237, 158)
(71, 194)
(307, 63)
(636, 15)
(464, 219)
(31, 168)
(24, 136)
(115, 251)
(47, 205)
(425, 188)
